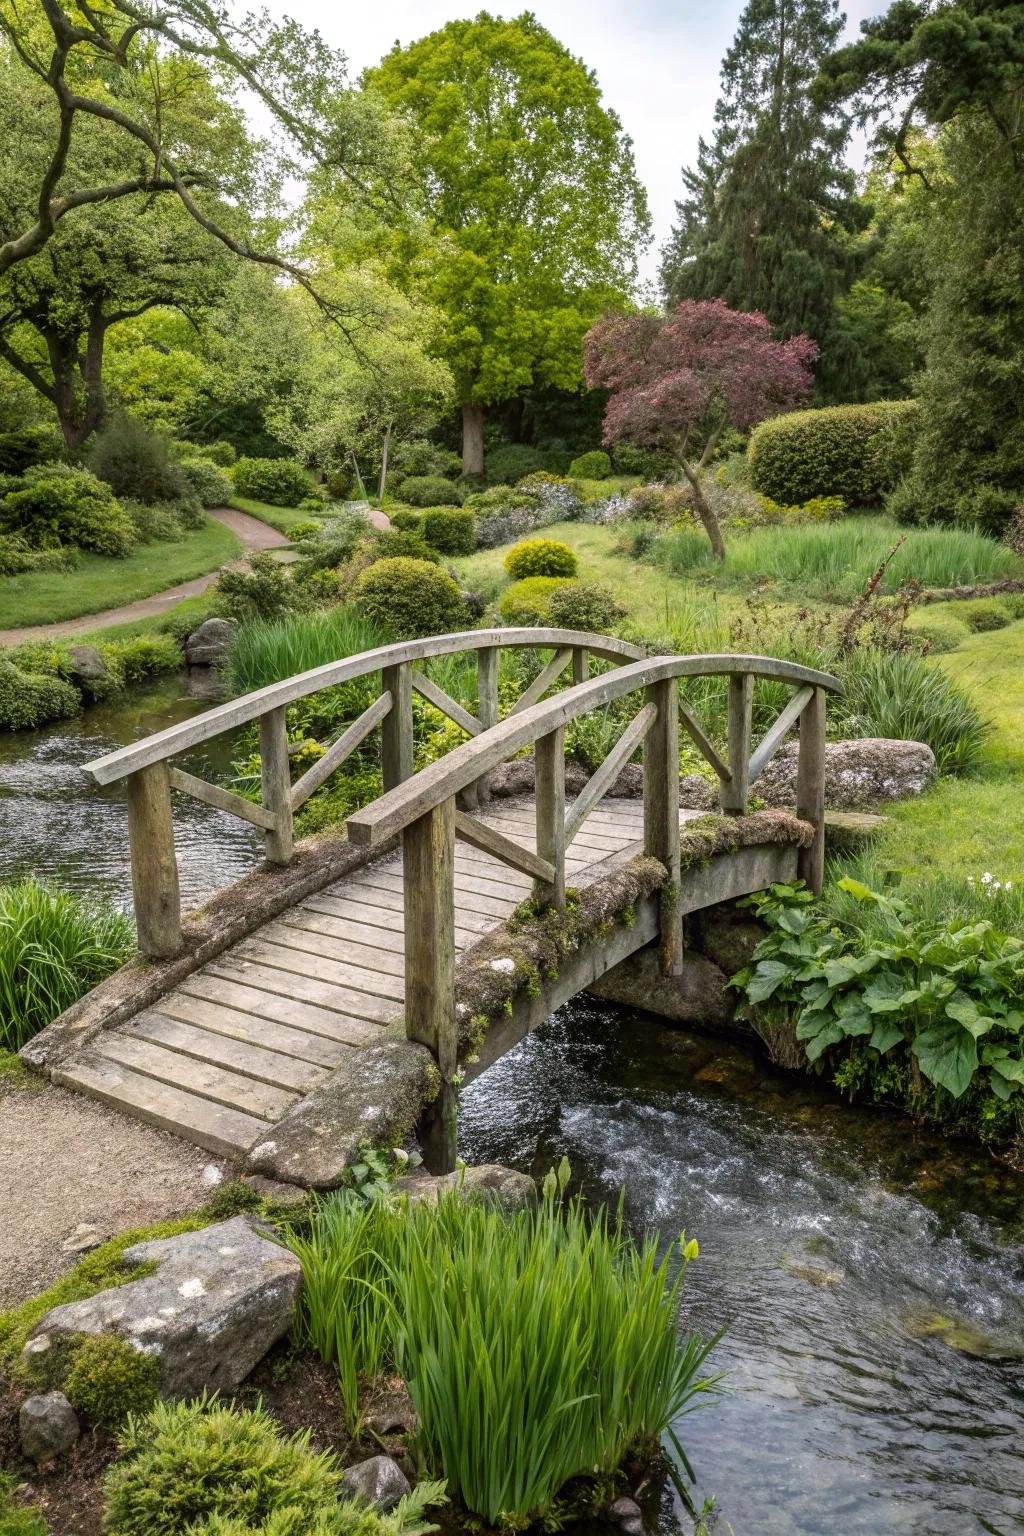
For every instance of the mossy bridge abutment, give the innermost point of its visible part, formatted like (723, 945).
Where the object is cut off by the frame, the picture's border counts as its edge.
(340, 993)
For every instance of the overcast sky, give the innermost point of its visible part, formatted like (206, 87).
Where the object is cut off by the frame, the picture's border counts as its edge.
(657, 63)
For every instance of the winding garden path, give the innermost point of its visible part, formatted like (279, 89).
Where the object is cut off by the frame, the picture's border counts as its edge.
(254, 534)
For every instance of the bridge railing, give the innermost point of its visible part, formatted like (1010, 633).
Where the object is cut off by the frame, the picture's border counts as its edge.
(424, 810)
(147, 766)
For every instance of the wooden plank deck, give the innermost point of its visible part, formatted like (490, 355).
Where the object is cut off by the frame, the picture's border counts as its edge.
(239, 1042)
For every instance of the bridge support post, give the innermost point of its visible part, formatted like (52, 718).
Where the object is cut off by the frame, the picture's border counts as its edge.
(154, 865)
(477, 794)
(396, 727)
(810, 788)
(276, 784)
(549, 759)
(661, 814)
(428, 854)
(733, 794)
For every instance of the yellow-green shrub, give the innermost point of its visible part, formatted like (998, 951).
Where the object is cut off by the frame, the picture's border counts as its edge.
(854, 451)
(540, 557)
(527, 601)
(108, 1379)
(410, 598)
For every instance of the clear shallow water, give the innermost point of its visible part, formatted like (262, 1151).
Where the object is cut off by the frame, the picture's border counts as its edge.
(831, 1240)
(55, 823)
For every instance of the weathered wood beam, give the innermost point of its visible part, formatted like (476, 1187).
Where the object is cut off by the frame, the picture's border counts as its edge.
(773, 738)
(221, 799)
(339, 750)
(396, 730)
(428, 861)
(549, 780)
(661, 813)
(155, 887)
(733, 791)
(275, 773)
(810, 788)
(702, 744)
(602, 780)
(580, 663)
(446, 704)
(481, 836)
(542, 682)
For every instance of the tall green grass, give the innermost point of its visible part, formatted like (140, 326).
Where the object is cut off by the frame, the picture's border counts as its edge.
(54, 947)
(834, 561)
(536, 1347)
(900, 694)
(269, 650)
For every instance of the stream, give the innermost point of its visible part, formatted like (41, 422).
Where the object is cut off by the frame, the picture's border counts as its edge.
(871, 1279)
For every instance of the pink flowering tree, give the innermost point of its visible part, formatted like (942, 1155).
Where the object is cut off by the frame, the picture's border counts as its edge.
(677, 381)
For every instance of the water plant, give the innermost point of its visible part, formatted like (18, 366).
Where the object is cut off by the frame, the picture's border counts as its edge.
(54, 947)
(267, 651)
(537, 1346)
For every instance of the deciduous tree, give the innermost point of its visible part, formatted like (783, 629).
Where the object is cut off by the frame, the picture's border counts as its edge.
(678, 382)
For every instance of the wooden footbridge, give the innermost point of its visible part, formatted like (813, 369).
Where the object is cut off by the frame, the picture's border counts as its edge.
(228, 1040)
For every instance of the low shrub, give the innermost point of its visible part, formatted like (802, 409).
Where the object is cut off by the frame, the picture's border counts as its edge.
(144, 656)
(220, 452)
(511, 462)
(410, 598)
(339, 538)
(940, 633)
(584, 605)
(430, 491)
(650, 463)
(136, 462)
(450, 530)
(264, 591)
(596, 465)
(529, 601)
(659, 503)
(54, 947)
(900, 694)
(299, 533)
(108, 1380)
(406, 521)
(25, 446)
(540, 557)
(210, 484)
(858, 452)
(17, 558)
(394, 544)
(278, 482)
(550, 1306)
(57, 505)
(28, 699)
(418, 456)
(984, 613)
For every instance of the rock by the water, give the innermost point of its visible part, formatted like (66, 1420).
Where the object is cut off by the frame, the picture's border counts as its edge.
(634, 1526)
(378, 1096)
(379, 1481)
(512, 1190)
(87, 666)
(48, 1427)
(216, 1303)
(727, 937)
(208, 645)
(624, 1509)
(858, 774)
(697, 996)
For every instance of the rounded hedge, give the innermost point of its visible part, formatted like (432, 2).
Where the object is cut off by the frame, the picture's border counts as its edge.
(29, 699)
(513, 462)
(410, 599)
(209, 483)
(583, 605)
(452, 530)
(540, 557)
(528, 601)
(596, 465)
(55, 505)
(278, 482)
(430, 491)
(858, 452)
(407, 521)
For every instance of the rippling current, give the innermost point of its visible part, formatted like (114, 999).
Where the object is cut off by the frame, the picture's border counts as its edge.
(871, 1280)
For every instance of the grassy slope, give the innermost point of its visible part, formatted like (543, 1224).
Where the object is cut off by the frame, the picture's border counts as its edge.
(281, 518)
(97, 583)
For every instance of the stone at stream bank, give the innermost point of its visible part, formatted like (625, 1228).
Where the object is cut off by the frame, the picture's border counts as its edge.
(379, 1481)
(87, 666)
(48, 1427)
(697, 996)
(858, 774)
(208, 645)
(511, 1190)
(216, 1303)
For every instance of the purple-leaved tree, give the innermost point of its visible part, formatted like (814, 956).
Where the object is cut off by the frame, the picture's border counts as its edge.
(677, 381)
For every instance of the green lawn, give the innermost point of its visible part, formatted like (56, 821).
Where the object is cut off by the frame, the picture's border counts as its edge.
(98, 583)
(281, 518)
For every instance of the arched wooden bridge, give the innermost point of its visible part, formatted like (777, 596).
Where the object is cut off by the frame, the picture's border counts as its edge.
(247, 1027)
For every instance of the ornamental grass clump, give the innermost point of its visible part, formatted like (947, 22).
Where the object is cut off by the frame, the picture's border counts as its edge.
(537, 1347)
(54, 947)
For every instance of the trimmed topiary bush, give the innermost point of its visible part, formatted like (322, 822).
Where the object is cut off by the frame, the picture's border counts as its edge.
(984, 613)
(451, 530)
(406, 521)
(529, 601)
(540, 557)
(511, 462)
(210, 484)
(393, 544)
(410, 598)
(278, 482)
(29, 699)
(57, 505)
(430, 491)
(596, 465)
(584, 605)
(858, 452)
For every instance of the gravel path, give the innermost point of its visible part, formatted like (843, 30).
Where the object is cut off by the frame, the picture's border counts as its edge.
(67, 1160)
(254, 536)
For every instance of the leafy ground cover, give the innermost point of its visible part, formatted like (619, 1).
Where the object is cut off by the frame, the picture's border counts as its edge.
(98, 582)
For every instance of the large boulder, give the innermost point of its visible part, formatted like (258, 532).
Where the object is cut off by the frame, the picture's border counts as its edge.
(209, 644)
(697, 996)
(88, 670)
(216, 1302)
(48, 1427)
(511, 1190)
(858, 774)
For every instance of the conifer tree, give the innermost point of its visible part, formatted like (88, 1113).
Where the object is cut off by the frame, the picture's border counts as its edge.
(769, 207)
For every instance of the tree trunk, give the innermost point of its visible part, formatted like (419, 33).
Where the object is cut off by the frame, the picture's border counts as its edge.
(78, 394)
(472, 439)
(384, 464)
(705, 511)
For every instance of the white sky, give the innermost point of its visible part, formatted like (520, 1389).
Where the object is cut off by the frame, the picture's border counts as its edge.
(656, 61)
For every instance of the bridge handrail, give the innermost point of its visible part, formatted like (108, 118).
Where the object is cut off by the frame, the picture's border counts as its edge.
(464, 765)
(251, 706)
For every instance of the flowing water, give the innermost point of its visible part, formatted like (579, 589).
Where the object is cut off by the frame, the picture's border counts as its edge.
(871, 1280)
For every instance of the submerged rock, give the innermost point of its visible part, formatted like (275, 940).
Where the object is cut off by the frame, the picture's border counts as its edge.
(48, 1427)
(218, 1300)
(697, 996)
(961, 1334)
(858, 774)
